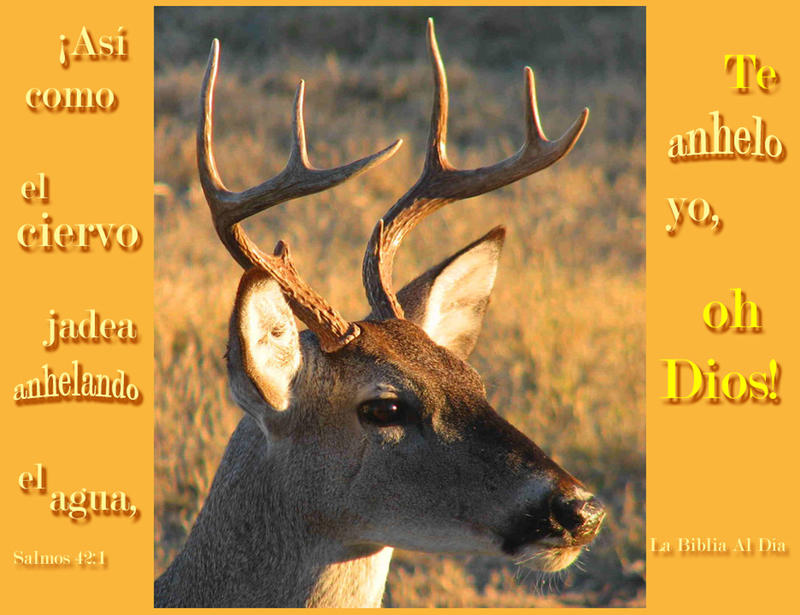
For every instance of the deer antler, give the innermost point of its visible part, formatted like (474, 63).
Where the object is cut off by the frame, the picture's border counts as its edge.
(297, 179)
(440, 183)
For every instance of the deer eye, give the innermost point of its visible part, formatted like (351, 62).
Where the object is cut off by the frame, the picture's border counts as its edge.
(383, 412)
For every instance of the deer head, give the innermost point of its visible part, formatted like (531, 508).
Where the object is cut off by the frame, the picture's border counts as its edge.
(382, 431)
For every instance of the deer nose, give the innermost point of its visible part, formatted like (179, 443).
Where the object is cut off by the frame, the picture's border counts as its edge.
(581, 517)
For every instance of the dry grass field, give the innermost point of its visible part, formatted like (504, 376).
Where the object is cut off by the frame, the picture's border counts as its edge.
(562, 349)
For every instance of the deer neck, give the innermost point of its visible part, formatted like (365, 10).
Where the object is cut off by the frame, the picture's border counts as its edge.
(252, 547)
(358, 581)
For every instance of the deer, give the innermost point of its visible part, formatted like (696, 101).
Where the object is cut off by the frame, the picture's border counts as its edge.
(360, 437)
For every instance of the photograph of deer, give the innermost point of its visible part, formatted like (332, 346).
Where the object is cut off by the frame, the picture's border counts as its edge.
(362, 437)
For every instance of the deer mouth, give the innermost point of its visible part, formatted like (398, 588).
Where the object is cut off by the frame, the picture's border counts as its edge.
(545, 558)
(547, 554)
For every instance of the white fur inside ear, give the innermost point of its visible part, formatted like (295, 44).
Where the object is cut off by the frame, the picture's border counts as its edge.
(458, 298)
(270, 344)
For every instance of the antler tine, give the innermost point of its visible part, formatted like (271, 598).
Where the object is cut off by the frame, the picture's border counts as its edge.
(299, 153)
(297, 179)
(537, 147)
(436, 158)
(440, 183)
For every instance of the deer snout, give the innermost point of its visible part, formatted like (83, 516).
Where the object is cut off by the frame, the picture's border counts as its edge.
(561, 522)
(581, 517)
(549, 536)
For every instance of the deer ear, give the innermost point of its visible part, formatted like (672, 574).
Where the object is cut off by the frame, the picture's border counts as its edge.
(450, 300)
(263, 347)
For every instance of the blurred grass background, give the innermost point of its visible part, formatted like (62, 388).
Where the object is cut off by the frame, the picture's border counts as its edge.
(562, 349)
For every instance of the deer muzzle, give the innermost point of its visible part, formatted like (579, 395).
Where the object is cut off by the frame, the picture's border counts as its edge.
(549, 534)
